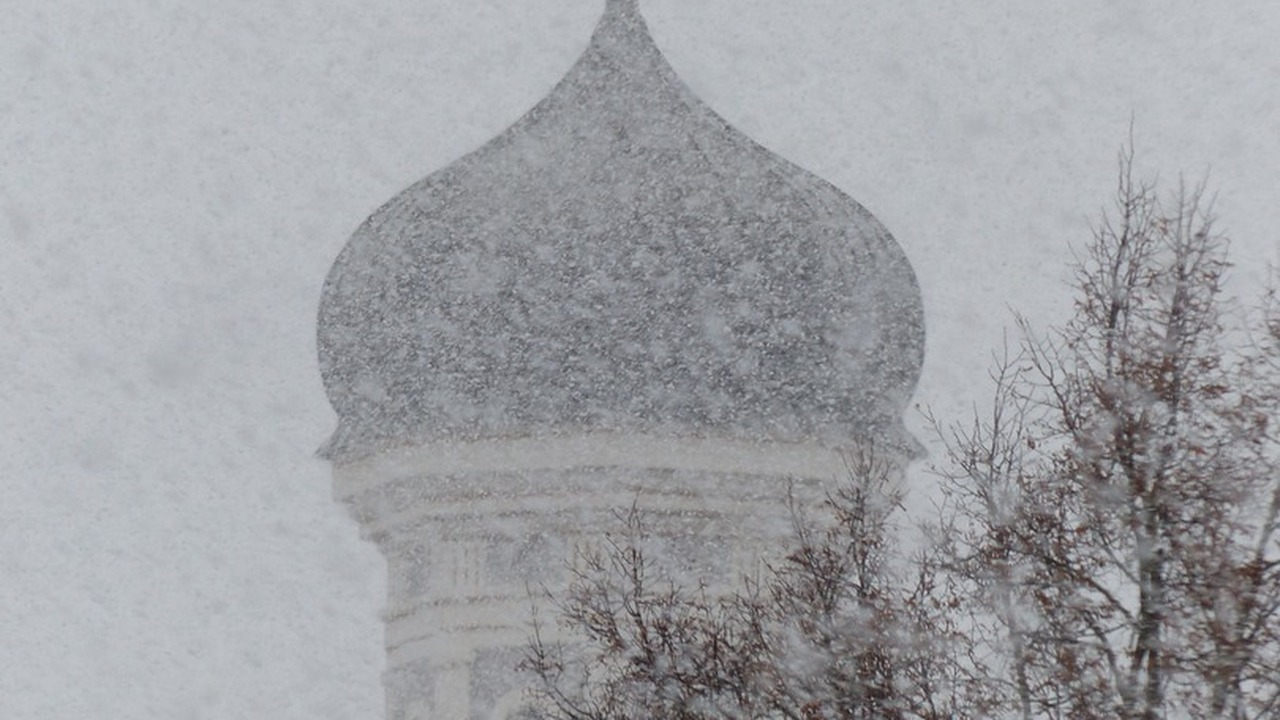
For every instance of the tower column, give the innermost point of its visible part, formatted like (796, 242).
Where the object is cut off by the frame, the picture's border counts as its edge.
(453, 691)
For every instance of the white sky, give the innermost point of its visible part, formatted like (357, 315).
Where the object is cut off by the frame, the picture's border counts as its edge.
(176, 177)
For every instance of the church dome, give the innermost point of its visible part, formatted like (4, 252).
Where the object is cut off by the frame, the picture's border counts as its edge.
(620, 260)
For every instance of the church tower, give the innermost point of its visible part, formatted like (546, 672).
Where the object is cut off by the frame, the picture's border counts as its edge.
(619, 297)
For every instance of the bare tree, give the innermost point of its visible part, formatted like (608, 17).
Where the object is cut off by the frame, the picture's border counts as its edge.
(1116, 513)
(831, 632)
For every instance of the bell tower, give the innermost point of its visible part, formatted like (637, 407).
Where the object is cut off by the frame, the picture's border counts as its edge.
(619, 297)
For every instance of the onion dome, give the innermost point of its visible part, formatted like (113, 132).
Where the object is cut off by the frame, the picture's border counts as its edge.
(620, 260)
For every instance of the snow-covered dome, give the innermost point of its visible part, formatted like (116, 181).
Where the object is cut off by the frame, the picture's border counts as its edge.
(621, 259)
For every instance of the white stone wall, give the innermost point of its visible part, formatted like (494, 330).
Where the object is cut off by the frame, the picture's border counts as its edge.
(473, 531)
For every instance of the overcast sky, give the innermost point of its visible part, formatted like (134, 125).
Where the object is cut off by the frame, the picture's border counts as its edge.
(176, 178)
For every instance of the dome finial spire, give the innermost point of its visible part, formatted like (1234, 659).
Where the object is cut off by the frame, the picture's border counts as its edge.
(622, 6)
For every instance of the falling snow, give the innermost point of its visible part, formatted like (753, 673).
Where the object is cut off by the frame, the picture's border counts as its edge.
(175, 180)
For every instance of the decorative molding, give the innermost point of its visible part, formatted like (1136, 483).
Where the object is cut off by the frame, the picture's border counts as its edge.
(590, 450)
